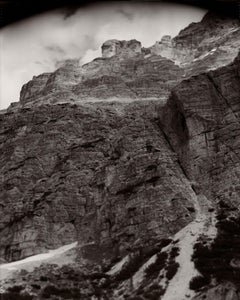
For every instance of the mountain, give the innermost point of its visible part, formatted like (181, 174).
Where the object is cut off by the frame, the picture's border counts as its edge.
(132, 160)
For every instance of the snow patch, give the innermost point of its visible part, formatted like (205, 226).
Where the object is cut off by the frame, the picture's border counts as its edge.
(118, 267)
(205, 55)
(178, 287)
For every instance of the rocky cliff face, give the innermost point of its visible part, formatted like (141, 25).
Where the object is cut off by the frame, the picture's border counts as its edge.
(202, 46)
(124, 48)
(91, 173)
(129, 78)
(204, 129)
(128, 72)
(122, 153)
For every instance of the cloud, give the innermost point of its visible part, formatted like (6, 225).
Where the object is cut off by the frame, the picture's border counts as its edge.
(37, 44)
(56, 49)
(68, 12)
(128, 15)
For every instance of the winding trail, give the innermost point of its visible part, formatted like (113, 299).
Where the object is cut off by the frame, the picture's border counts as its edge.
(204, 223)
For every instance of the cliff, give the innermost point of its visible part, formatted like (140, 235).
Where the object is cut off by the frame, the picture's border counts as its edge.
(202, 46)
(93, 173)
(204, 129)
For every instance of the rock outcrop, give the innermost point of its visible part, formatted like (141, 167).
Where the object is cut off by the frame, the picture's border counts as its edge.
(124, 48)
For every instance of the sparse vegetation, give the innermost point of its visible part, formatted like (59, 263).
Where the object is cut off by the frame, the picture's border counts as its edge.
(43, 278)
(174, 252)
(214, 261)
(36, 286)
(191, 209)
(64, 293)
(52, 282)
(198, 282)
(136, 298)
(14, 293)
(15, 289)
(15, 296)
(152, 292)
(132, 266)
(141, 257)
(172, 270)
(154, 269)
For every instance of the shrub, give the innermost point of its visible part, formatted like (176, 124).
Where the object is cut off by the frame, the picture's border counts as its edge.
(36, 286)
(229, 226)
(132, 267)
(15, 289)
(191, 209)
(139, 259)
(97, 275)
(215, 261)
(64, 293)
(153, 295)
(198, 282)
(115, 260)
(43, 278)
(154, 269)
(174, 252)
(221, 216)
(223, 205)
(172, 270)
(15, 296)
(152, 250)
(211, 209)
(165, 242)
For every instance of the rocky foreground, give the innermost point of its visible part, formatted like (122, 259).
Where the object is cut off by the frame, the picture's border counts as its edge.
(133, 159)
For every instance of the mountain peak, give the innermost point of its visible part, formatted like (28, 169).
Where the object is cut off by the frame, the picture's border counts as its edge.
(198, 48)
(116, 47)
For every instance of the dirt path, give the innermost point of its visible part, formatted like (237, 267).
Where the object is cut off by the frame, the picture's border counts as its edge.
(178, 287)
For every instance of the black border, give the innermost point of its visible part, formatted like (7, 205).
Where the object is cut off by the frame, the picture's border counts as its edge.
(16, 10)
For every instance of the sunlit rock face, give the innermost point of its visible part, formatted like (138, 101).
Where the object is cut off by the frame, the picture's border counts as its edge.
(126, 75)
(164, 47)
(202, 46)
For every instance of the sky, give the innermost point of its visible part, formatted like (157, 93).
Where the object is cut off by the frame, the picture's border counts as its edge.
(37, 45)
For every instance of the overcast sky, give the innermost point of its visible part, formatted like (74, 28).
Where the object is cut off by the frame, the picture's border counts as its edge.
(37, 44)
